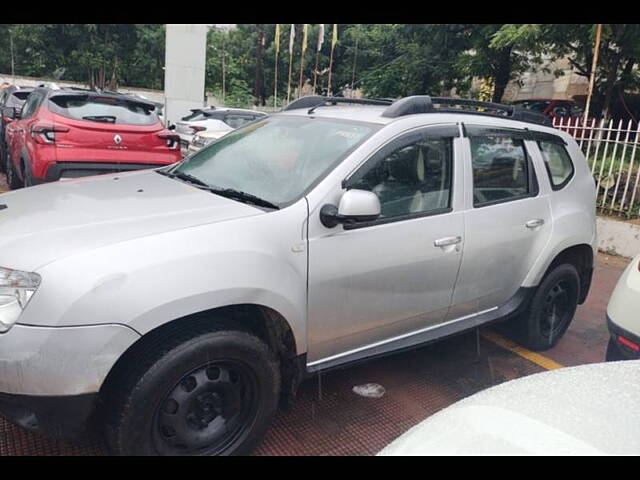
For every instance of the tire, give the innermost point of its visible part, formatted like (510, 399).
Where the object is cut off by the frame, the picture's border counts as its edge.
(211, 393)
(551, 309)
(12, 179)
(3, 160)
(28, 179)
(613, 352)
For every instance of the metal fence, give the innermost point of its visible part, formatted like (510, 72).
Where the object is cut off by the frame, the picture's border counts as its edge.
(611, 148)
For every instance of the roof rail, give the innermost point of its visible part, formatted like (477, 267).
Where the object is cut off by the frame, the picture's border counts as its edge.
(314, 101)
(425, 104)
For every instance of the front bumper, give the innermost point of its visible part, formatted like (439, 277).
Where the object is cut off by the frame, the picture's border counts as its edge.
(62, 417)
(617, 331)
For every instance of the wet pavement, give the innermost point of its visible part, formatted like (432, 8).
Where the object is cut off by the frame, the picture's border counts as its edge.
(328, 418)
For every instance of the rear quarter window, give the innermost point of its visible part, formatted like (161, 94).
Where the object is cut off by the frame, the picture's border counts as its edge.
(558, 163)
(102, 111)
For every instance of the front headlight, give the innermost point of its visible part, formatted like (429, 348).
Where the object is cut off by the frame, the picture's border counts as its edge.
(16, 289)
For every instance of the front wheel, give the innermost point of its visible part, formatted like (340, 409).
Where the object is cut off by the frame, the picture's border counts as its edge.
(552, 308)
(212, 394)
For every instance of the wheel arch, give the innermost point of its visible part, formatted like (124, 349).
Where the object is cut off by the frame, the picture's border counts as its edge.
(582, 257)
(264, 322)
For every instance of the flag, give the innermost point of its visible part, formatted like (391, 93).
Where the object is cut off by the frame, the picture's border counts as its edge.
(277, 38)
(304, 37)
(292, 37)
(334, 39)
(320, 36)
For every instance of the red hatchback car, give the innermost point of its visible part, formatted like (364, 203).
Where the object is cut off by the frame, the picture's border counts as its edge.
(66, 133)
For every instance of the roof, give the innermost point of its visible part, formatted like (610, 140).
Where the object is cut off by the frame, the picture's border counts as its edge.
(383, 111)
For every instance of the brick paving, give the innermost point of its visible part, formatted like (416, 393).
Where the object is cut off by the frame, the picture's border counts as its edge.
(329, 419)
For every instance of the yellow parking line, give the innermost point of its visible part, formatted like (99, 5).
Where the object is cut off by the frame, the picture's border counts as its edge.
(536, 358)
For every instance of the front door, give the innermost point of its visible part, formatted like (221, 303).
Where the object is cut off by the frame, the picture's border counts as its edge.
(375, 281)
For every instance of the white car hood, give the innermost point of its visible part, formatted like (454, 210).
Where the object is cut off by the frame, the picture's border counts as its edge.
(48, 222)
(587, 410)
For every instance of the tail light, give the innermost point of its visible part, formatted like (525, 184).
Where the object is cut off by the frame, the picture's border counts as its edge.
(46, 133)
(172, 139)
(625, 341)
(197, 129)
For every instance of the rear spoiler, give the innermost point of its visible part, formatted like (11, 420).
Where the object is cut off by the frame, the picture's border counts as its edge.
(106, 98)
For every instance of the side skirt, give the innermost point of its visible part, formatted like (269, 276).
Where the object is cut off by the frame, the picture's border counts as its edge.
(512, 307)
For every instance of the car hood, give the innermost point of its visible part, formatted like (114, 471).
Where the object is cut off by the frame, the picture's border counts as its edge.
(48, 222)
(586, 410)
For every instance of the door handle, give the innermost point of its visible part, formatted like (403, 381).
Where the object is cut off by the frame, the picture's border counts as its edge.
(446, 241)
(534, 223)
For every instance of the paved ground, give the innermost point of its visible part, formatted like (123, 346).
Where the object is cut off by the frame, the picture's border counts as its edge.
(329, 419)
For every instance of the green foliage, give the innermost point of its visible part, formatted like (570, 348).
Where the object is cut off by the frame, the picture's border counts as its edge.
(392, 60)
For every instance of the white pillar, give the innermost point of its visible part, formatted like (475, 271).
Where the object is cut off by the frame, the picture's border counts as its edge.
(185, 55)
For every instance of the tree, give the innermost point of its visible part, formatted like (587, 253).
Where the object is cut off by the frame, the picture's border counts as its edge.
(619, 51)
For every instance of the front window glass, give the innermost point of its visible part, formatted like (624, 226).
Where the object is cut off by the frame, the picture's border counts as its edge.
(414, 178)
(278, 158)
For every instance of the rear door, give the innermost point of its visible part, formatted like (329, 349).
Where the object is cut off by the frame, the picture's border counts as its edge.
(507, 219)
(107, 129)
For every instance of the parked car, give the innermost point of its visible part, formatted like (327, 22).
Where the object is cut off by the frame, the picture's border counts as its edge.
(66, 133)
(622, 315)
(11, 98)
(177, 307)
(552, 107)
(213, 119)
(202, 139)
(585, 410)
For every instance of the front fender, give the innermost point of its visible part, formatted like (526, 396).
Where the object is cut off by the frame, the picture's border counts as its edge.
(147, 282)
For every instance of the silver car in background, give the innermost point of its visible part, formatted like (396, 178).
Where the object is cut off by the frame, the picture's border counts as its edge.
(176, 308)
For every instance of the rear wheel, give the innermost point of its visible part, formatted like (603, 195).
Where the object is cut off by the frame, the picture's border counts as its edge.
(552, 308)
(214, 393)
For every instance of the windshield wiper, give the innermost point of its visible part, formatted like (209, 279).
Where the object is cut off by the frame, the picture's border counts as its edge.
(223, 192)
(186, 177)
(100, 118)
(243, 196)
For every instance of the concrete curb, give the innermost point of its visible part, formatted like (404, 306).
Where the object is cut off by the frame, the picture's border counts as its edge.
(618, 237)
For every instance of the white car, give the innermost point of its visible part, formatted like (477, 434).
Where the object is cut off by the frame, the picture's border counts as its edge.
(586, 410)
(213, 118)
(622, 315)
(203, 139)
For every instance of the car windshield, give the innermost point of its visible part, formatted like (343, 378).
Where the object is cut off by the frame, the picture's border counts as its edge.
(277, 158)
(535, 105)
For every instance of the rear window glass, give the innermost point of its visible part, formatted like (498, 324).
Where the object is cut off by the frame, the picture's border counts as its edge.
(103, 111)
(197, 116)
(22, 96)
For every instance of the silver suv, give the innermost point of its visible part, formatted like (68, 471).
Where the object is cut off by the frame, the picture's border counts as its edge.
(176, 308)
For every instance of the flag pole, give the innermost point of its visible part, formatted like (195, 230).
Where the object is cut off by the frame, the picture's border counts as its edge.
(320, 42)
(292, 36)
(304, 48)
(592, 77)
(275, 80)
(334, 39)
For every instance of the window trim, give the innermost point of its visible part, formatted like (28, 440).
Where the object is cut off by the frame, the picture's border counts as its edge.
(447, 131)
(532, 177)
(566, 181)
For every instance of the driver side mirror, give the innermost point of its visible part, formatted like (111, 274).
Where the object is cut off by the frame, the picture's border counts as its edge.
(355, 206)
